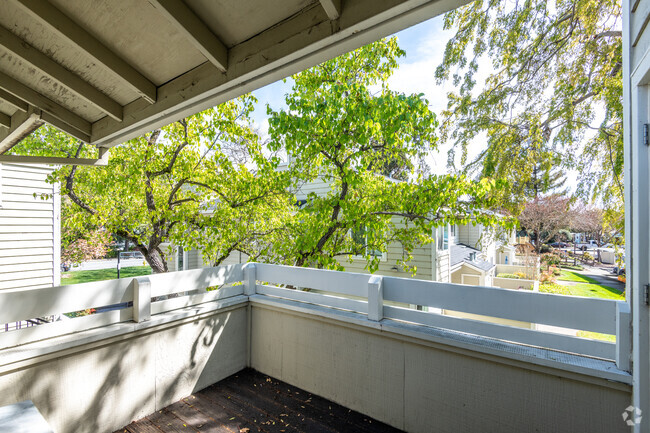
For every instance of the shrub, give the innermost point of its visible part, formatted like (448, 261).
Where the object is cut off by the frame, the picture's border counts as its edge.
(547, 277)
(520, 275)
(587, 257)
(556, 271)
(621, 278)
(554, 288)
(513, 276)
(545, 249)
(550, 260)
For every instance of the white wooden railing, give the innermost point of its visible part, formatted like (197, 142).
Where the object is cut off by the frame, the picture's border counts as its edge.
(379, 299)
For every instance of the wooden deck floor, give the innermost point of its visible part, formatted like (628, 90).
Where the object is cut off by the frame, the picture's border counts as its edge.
(250, 402)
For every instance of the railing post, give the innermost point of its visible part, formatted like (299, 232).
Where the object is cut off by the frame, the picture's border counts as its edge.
(141, 299)
(250, 279)
(623, 336)
(375, 298)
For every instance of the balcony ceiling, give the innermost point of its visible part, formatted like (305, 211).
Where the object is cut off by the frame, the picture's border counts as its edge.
(105, 71)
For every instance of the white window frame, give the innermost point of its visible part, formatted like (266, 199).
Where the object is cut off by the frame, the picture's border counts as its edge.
(382, 257)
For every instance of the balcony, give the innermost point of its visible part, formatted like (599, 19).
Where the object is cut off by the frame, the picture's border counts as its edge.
(364, 342)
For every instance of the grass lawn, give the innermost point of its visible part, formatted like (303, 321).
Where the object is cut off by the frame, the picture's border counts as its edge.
(575, 277)
(590, 290)
(76, 277)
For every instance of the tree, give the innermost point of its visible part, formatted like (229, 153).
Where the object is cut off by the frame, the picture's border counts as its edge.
(554, 94)
(176, 184)
(545, 216)
(337, 129)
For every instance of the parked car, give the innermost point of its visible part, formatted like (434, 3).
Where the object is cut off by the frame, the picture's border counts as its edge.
(559, 245)
(619, 271)
(584, 246)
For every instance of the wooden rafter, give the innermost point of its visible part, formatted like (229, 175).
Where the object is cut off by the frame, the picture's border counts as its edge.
(66, 27)
(66, 78)
(66, 119)
(194, 30)
(332, 8)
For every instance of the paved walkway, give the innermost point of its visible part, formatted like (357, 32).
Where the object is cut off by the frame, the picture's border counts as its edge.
(92, 265)
(603, 277)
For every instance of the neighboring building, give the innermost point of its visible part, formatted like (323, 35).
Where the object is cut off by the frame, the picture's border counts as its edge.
(30, 236)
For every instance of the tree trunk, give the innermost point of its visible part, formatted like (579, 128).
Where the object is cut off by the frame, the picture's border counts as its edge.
(155, 260)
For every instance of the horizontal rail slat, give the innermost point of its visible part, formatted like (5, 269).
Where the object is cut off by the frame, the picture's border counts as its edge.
(588, 314)
(599, 349)
(185, 281)
(200, 298)
(29, 303)
(55, 329)
(346, 283)
(314, 298)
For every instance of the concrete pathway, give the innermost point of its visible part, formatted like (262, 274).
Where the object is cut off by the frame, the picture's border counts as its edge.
(92, 265)
(603, 277)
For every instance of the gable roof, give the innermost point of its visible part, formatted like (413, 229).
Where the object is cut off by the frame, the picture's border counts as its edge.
(461, 254)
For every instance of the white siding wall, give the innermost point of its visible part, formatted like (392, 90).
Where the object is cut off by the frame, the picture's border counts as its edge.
(442, 265)
(421, 259)
(29, 228)
(318, 186)
(469, 235)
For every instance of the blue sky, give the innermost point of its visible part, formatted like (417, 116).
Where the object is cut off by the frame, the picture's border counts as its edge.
(424, 45)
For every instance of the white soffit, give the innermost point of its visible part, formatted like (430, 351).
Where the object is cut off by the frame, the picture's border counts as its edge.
(106, 71)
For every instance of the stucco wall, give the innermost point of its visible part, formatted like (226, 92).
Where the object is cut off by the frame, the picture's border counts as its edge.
(103, 388)
(419, 386)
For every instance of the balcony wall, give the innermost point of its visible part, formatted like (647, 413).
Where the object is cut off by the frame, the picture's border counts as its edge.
(105, 384)
(395, 364)
(418, 385)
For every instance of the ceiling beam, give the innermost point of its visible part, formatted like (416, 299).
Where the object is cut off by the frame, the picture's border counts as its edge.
(62, 24)
(195, 30)
(22, 124)
(20, 159)
(39, 101)
(332, 8)
(5, 120)
(57, 123)
(65, 77)
(17, 103)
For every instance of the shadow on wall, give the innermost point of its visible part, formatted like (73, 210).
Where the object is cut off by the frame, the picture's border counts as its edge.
(104, 388)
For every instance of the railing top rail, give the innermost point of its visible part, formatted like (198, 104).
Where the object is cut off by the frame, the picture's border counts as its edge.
(346, 283)
(590, 314)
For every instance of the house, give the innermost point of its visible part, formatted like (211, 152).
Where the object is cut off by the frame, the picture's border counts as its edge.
(30, 228)
(414, 370)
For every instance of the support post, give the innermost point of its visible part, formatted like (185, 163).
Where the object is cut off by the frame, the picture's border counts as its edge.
(623, 335)
(141, 299)
(250, 279)
(375, 298)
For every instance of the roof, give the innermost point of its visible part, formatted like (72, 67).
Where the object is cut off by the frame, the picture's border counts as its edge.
(460, 254)
(106, 71)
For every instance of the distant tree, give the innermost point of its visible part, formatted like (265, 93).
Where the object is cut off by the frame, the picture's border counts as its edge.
(545, 216)
(544, 180)
(92, 245)
(340, 128)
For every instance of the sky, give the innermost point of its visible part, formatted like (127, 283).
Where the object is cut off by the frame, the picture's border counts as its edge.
(424, 45)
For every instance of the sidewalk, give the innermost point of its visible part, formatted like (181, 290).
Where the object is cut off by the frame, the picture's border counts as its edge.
(107, 264)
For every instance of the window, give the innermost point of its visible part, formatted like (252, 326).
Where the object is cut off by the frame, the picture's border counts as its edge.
(181, 259)
(453, 230)
(360, 237)
(443, 237)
